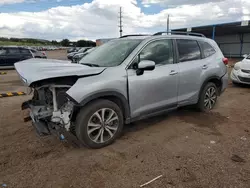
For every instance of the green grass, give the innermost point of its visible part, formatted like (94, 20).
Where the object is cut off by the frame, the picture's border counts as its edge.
(10, 43)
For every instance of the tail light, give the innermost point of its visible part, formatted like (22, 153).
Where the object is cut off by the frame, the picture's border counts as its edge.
(225, 61)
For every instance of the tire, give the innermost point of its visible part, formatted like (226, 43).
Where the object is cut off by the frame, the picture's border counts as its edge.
(202, 105)
(88, 120)
(235, 83)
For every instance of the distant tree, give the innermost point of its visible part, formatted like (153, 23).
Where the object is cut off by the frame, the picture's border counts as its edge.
(65, 42)
(81, 43)
(54, 42)
(4, 39)
(85, 43)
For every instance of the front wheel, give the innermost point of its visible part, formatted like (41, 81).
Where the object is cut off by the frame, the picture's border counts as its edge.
(208, 97)
(99, 124)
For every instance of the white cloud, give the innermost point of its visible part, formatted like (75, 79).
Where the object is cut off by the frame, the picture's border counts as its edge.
(146, 5)
(3, 2)
(170, 3)
(99, 19)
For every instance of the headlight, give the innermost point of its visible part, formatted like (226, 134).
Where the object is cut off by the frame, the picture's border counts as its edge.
(236, 67)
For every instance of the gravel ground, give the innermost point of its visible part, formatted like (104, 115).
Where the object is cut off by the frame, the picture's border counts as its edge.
(189, 149)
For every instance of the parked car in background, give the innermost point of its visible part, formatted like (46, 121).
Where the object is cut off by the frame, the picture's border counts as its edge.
(82, 50)
(10, 55)
(241, 71)
(38, 54)
(74, 49)
(122, 81)
(77, 57)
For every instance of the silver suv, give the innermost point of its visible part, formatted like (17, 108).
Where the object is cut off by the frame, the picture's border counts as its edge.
(124, 80)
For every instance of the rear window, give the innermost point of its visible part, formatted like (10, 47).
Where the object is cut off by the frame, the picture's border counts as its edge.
(208, 50)
(189, 50)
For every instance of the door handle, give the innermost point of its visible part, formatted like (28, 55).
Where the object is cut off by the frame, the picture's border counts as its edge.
(204, 67)
(173, 72)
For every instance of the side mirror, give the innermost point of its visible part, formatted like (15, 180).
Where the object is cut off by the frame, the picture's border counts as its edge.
(145, 65)
(245, 56)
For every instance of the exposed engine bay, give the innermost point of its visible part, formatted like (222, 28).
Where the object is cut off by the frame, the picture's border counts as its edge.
(50, 109)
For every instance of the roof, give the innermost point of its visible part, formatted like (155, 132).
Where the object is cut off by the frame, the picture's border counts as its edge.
(221, 29)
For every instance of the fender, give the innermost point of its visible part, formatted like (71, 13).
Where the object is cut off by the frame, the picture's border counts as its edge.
(104, 94)
(207, 80)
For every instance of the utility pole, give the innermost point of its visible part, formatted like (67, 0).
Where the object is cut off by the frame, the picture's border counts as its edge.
(168, 24)
(120, 18)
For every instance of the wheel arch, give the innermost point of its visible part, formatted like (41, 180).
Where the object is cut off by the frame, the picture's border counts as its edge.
(113, 96)
(214, 79)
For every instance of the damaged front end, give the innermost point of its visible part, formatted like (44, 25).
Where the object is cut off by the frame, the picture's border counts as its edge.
(51, 111)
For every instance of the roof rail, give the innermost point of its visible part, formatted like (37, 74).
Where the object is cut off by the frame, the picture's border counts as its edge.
(180, 33)
(135, 35)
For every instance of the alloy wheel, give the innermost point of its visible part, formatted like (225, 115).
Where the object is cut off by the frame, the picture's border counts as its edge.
(102, 125)
(210, 98)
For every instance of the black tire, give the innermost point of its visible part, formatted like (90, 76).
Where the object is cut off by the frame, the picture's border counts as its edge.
(235, 83)
(201, 103)
(84, 116)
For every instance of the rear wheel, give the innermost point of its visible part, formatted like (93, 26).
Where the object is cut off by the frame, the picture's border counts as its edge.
(208, 97)
(99, 123)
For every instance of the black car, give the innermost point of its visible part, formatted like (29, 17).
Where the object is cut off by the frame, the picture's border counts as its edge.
(10, 55)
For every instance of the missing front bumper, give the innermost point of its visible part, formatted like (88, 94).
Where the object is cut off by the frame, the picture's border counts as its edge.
(45, 127)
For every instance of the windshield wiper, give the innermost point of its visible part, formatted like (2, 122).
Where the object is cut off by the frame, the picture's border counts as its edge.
(90, 64)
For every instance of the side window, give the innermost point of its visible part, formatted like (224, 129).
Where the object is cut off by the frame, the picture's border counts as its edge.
(24, 51)
(208, 50)
(161, 52)
(189, 50)
(13, 50)
(3, 51)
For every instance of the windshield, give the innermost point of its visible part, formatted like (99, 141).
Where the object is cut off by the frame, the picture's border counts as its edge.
(248, 57)
(82, 50)
(111, 54)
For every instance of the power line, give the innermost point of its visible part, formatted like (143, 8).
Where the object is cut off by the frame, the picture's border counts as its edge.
(120, 18)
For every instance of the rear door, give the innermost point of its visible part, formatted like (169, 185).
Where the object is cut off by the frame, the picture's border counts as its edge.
(13, 56)
(25, 54)
(191, 69)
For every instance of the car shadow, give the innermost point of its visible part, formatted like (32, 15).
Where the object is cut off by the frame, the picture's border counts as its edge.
(202, 122)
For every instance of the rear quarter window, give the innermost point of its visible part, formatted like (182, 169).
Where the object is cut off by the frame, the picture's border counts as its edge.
(207, 49)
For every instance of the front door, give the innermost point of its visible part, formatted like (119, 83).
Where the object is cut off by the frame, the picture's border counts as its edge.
(154, 90)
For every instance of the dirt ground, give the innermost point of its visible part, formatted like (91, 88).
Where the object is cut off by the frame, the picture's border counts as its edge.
(189, 149)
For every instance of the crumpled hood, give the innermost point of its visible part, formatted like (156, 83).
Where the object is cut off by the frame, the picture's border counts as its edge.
(33, 70)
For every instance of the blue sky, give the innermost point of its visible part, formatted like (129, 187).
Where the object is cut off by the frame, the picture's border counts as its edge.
(92, 19)
(41, 5)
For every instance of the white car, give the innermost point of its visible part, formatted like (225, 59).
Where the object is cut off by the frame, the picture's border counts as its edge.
(241, 71)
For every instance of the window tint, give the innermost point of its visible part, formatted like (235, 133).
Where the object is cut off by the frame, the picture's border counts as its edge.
(3, 51)
(188, 50)
(208, 50)
(13, 50)
(161, 52)
(24, 51)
